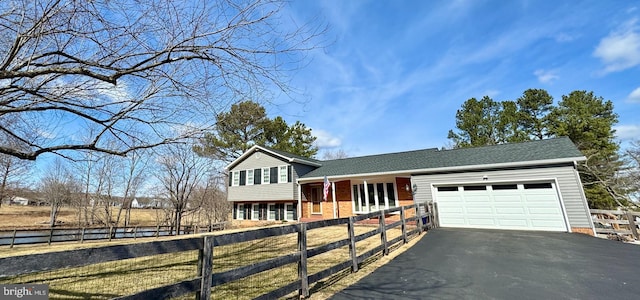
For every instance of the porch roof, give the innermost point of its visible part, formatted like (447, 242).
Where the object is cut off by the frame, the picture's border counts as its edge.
(557, 150)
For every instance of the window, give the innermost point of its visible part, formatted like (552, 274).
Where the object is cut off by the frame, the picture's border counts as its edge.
(265, 176)
(243, 211)
(447, 189)
(259, 211)
(284, 174)
(391, 194)
(243, 177)
(236, 178)
(276, 211)
(374, 196)
(291, 212)
(273, 175)
(257, 175)
(249, 177)
(475, 187)
(498, 187)
(530, 186)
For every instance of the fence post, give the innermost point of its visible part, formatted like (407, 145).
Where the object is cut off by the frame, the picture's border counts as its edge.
(632, 224)
(419, 219)
(135, 232)
(352, 245)
(82, 235)
(205, 268)
(302, 265)
(383, 234)
(50, 236)
(434, 214)
(157, 230)
(403, 226)
(110, 229)
(13, 238)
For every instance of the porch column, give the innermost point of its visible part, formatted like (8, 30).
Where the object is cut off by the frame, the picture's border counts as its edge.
(299, 202)
(333, 195)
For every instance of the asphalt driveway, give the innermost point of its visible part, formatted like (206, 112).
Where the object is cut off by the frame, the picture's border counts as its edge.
(492, 264)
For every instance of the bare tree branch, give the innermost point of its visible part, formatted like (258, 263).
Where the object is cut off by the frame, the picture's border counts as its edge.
(136, 69)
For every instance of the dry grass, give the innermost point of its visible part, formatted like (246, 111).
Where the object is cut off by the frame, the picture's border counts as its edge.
(112, 279)
(34, 217)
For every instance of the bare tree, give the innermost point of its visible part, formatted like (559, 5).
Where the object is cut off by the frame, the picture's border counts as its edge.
(631, 176)
(58, 187)
(132, 177)
(182, 171)
(136, 70)
(12, 172)
(337, 154)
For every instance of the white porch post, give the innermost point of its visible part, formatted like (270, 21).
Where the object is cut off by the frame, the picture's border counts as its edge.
(299, 201)
(366, 197)
(333, 195)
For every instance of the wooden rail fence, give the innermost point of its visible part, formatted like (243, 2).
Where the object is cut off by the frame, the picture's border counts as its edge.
(60, 234)
(206, 279)
(616, 222)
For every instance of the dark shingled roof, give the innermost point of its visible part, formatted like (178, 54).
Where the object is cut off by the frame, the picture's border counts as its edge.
(290, 155)
(556, 148)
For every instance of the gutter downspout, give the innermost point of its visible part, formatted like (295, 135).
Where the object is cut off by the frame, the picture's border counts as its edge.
(333, 195)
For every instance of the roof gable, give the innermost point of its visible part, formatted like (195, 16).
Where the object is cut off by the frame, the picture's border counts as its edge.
(285, 156)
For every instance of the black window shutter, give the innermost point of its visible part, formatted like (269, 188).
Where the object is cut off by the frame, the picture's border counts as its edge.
(289, 177)
(273, 176)
(235, 210)
(230, 178)
(257, 176)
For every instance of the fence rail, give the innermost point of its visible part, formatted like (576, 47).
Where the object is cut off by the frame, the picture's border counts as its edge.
(619, 222)
(206, 279)
(60, 234)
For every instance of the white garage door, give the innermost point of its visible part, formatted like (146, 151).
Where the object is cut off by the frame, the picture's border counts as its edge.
(523, 206)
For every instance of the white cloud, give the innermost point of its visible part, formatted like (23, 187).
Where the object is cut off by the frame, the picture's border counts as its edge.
(620, 49)
(564, 38)
(546, 76)
(627, 132)
(325, 139)
(634, 96)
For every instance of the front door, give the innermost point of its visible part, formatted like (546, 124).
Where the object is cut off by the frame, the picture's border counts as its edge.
(316, 201)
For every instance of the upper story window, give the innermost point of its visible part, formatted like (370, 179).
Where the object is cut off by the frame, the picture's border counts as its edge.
(235, 178)
(279, 174)
(284, 175)
(249, 177)
(265, 175)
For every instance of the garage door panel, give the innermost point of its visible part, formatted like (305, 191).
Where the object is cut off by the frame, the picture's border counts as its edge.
(479, 210)
(476, 197)
(506, 207)
(543, 211)
(513, 223)
(482, 221)
(507, 198)
(510, 210)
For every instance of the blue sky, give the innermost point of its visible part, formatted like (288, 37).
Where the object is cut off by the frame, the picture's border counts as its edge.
(393, 73)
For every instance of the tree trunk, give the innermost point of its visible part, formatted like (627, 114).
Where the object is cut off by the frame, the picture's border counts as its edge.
(54, 213)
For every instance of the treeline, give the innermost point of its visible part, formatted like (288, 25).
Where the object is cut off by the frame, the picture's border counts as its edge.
(588, 120)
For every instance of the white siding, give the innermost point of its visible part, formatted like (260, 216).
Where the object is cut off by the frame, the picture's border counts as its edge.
(272, 191)
(568, 184)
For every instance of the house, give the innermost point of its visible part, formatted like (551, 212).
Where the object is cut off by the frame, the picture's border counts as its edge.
(521, 186)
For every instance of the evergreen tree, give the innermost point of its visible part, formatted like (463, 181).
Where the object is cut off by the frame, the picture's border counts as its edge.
(588, 121)
(246, 125)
